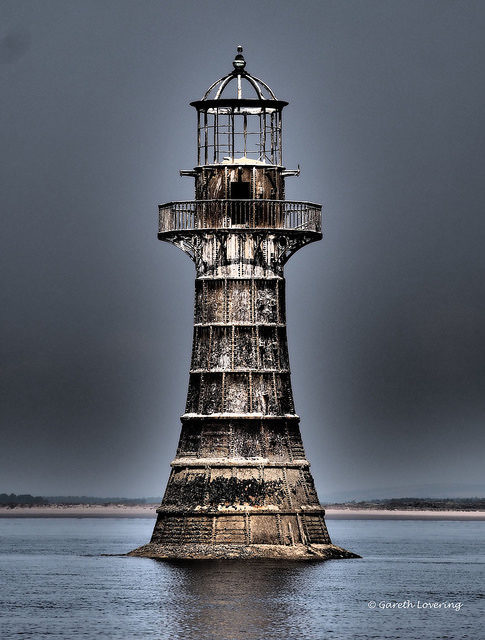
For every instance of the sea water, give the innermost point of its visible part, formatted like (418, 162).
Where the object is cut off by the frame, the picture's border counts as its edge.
(416, 580)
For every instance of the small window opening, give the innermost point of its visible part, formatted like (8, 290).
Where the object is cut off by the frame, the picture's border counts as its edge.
(240, 190)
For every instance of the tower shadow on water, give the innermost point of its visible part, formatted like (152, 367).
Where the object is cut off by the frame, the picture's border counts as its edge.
(240, 484)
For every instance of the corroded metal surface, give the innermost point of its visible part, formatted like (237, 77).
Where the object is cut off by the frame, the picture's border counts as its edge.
(240, 483)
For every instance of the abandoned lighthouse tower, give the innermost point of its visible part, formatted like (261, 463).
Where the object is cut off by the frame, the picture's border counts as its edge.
(240, 483)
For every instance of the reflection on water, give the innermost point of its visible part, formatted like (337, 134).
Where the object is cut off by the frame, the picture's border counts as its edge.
(230, 599)
(55, 584)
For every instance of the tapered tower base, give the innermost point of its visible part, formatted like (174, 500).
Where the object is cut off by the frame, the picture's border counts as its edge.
(245, 533)
(262, 504)
(317, 552)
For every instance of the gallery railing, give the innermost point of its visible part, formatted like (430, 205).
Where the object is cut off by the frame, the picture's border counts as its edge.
(239, 214)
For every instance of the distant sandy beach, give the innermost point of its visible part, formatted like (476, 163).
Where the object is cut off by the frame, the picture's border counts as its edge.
(149, 511)
(401, 514)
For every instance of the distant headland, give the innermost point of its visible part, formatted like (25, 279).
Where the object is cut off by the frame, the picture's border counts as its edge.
(28, 506)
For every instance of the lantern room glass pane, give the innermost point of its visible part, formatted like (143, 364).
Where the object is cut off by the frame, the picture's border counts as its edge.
(228, 135)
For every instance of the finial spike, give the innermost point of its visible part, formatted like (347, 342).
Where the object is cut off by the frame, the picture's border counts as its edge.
(239, 62)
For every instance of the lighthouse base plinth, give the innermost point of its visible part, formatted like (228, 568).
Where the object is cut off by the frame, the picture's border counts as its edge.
(316, 552)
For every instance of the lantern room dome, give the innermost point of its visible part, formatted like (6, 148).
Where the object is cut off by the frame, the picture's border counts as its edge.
(240, 86)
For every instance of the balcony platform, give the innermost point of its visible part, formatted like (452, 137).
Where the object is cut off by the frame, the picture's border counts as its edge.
(239, 215)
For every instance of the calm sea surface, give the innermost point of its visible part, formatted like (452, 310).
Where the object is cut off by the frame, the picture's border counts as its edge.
(54, 583)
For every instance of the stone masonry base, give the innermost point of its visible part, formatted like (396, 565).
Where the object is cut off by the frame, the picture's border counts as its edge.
(318, 552)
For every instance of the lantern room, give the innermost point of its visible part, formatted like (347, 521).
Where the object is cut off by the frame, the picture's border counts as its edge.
(239, 120)
(239, 139)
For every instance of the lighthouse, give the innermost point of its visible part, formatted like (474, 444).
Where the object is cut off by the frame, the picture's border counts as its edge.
(240, 484)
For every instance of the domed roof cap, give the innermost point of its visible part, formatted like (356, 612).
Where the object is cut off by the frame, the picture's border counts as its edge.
(247, 88)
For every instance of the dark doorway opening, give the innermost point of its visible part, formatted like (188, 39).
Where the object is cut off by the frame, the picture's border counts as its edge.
(240, 190)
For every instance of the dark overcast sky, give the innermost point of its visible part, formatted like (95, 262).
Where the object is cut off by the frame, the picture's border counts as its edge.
(386, 316)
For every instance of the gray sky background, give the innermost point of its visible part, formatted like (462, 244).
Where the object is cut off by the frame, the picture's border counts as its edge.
(386, 316)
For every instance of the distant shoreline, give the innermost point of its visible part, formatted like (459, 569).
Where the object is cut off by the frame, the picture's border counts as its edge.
(149, 511)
